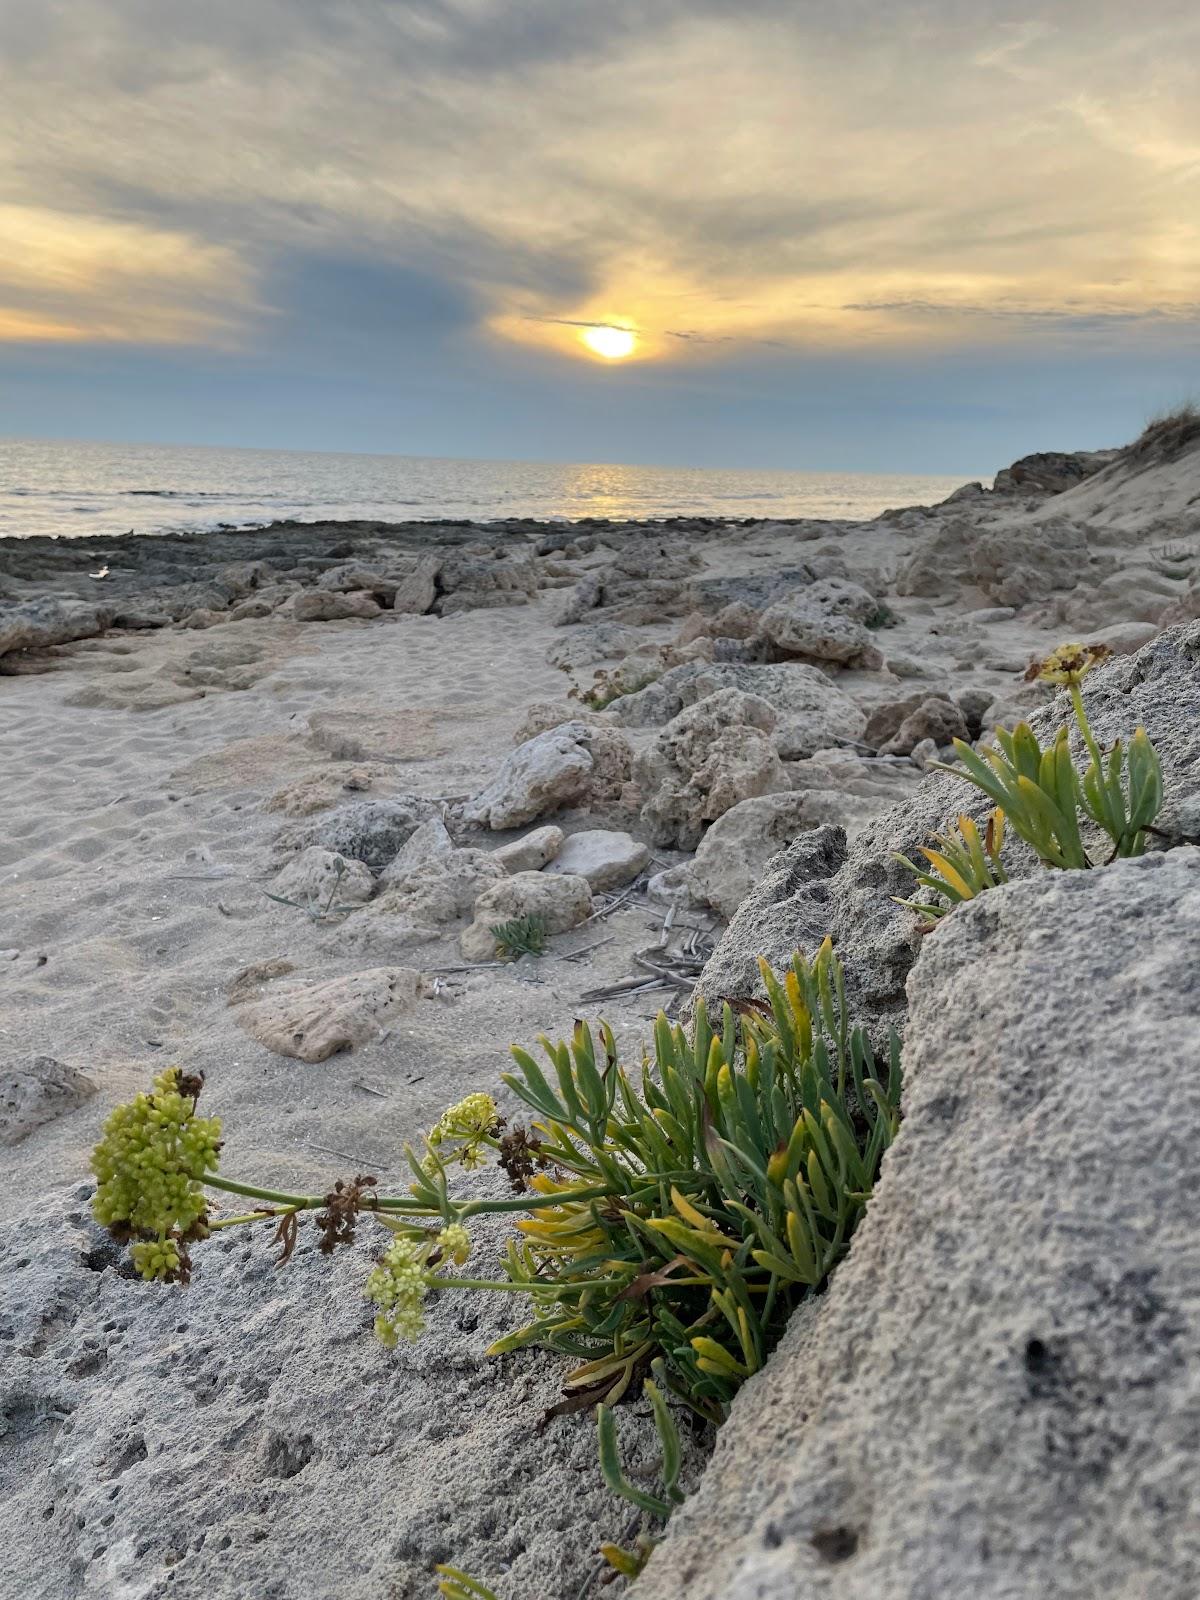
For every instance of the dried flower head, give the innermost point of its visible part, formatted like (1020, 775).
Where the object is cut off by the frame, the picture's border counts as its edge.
(342, 1204)
(1069, 664)
(520, 1156)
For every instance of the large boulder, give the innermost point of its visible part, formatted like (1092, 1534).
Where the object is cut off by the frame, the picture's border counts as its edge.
(1011, 564)
(430, 882)
(263, 1389)
(734, 853)
(707, 759)
(1051, 471)
(825, 622)
(998, 1394)
(38, 624)
(373, 831)
(325, 605)
(473, 580)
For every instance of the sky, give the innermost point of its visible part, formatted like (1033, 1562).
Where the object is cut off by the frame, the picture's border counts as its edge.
(926, 237)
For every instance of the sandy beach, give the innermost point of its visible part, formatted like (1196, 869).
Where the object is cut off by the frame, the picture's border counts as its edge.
(223, 717)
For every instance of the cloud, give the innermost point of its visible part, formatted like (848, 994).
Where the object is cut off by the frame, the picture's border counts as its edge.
(719, 174)
(68, 277)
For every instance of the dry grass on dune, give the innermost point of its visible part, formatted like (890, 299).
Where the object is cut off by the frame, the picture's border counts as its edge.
(1167, 436)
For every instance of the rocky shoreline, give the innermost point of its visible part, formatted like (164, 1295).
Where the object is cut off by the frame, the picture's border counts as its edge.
(270, 791)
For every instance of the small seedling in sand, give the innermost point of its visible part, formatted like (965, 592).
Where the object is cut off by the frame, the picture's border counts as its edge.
(314, 908)
(523, 936)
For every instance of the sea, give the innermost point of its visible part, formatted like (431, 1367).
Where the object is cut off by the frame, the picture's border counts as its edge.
(71, 487)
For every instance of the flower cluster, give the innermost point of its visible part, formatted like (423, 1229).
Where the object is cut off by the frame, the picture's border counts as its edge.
(1068, 664)
(149, 1166)
(459, 1132)
(398, 1283)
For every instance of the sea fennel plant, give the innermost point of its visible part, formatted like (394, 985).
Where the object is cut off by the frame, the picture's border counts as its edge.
(673, 1213)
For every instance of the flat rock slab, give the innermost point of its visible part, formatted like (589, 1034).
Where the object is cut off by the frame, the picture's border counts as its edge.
(313, 1021)
(998, 1396)
(607, 859)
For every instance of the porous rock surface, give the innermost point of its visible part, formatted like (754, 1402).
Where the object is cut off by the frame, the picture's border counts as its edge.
(812, 712)
(35, 1092)
(605, 857)
(997, 1396)
(733, 854)
(318, 876)
(547, 772)
(713, 754)
(248, 1436)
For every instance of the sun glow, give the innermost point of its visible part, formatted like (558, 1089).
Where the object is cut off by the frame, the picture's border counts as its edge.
(611, 343)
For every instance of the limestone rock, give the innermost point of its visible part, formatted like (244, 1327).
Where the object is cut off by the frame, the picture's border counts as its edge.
(38, 624)
(416, 591)
(312, 1021)
(1010, 1346)
(471, 581)
(1012, 566)
(547, 772)
(430, 882)
(811, 711)
(599, 641)
(708, 758)
(323, 605)
(607, 859)
(36, 1092)
(542, 715)
(935, 718)
(877, 940)
(295, 1395)
(353, 576)
(823, 622)
(318, 876)
(734, 853)
(373, 831)
(560, 900)
(531, 851)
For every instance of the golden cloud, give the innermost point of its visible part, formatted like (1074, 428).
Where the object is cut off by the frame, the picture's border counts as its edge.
(68, 277)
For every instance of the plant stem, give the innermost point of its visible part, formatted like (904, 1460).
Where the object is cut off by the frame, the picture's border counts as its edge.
(384, 1202)
(1085, 726)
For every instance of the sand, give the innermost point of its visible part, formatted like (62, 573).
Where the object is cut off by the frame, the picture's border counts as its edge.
(154, 783)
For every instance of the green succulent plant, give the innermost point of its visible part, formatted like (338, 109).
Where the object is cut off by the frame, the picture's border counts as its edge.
(963, 866)
(522, 936)
(1045, 798)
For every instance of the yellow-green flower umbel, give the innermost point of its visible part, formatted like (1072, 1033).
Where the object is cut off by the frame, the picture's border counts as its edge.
(149, 1165)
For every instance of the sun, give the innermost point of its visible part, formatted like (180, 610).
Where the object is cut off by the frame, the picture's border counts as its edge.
(611, 343)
